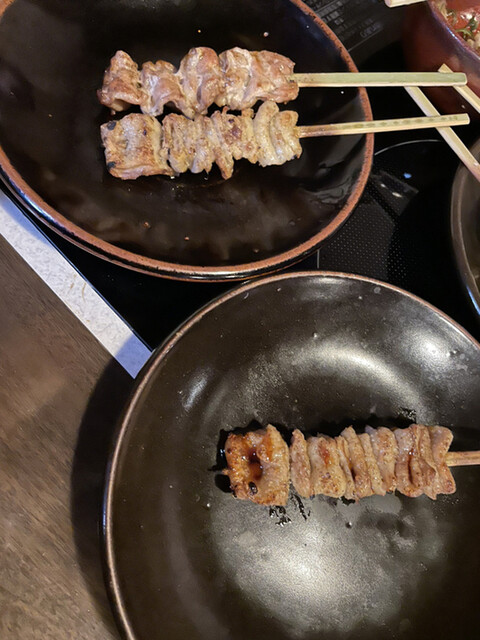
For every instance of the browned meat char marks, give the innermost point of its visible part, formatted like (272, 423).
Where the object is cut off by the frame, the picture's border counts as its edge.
(196, 144)
(236, 66)
(328, 477)
(407, 483)
(385, 449)
(344, 458)
(258, 466)
(201, 80)
(282, 134)
(300, 467)
(269, 79)
(160, 86)
(349, 465)
(412, 471)
(261, 127)
(237, 78)
(176, 141)
(363, 486)
(441, 439)
(133, 147)
(372, 465)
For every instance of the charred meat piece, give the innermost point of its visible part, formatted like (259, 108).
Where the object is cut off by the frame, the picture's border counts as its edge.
(269, 79)
(300, 466)
(237, 79)
(413, 472)
(441, 439)
(328, 477)
(385, 449)
(222, 152)
(196, 144)
(203, 152)
(160, 87)
(344, 458)
(429, 468)
(177, 142)
(282, 134)
(372, 465)
(236, 133)
(361, 477)
(236, 66)
(133, 147)
(258, 466)
(122, 84)
(261, 126)
(201, 80)
(407, 470)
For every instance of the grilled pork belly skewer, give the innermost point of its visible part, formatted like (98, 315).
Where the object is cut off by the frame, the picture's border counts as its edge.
(413, 461)
(138, 145)
(236, 79)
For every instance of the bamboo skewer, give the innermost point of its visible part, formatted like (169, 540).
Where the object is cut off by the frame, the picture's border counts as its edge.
(462, 458)
(400, 3)
(465, 92)
(380, 79)
(447, 133)
(379, 126)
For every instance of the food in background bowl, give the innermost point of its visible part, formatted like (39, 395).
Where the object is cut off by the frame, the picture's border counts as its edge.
(463, 19)
(444, 31)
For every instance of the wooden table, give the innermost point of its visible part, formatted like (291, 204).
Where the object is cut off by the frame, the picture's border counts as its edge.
(60, 397)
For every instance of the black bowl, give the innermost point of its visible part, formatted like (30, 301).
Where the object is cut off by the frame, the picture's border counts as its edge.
(465, 230)
(52, 57)
(314, 351)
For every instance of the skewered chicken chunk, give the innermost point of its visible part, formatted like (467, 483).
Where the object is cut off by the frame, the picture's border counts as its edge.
(138, 145)
(258, 466)
(237, 79)
(300, 465)
(122, 84)
(133, 147)
(327, 475)
(385, 449)
(412, 460)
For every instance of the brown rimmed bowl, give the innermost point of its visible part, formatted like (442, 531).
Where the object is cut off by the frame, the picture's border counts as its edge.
(52, 57)
(465, 230)
(316, 351)
(428, 42)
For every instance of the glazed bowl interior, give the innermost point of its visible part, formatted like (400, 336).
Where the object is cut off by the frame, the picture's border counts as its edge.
(52, 57)
(465, 230)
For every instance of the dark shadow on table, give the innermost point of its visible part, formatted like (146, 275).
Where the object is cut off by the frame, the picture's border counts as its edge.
(94, 441)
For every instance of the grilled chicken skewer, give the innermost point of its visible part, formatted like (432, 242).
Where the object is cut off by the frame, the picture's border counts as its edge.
(237, 79)
(413, 461)
(138, 145)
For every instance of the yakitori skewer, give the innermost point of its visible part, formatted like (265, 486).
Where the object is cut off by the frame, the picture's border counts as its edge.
(413, 461)
(236, 78)
(401, 3)
(139, 144)
(464, 91)
(450, 137)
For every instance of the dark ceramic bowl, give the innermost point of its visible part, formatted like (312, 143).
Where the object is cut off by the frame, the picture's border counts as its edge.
(315, 351)
(465, 230)
(52, 57)
(429, 42)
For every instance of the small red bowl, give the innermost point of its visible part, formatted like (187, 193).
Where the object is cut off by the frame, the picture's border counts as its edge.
(429, 42)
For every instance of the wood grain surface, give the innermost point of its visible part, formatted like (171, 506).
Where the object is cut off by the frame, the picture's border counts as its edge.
(60, 397)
